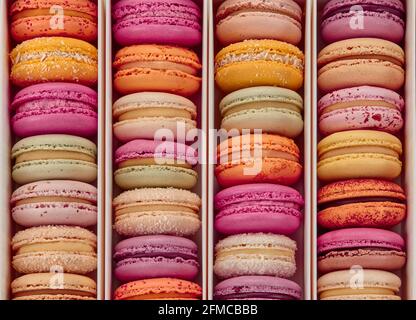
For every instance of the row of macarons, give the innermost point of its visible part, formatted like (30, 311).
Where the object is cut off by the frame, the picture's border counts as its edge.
(259, 70)
(54, 113)
(156, 215)
(359, 115)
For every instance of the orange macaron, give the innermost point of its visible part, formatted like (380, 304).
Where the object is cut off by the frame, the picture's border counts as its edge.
(157, 68)
(258, 158)
(159, 289)
(46, 18)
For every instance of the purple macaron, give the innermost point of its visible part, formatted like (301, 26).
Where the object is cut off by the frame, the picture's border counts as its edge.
(257, 288)
(345, 19)
(252, 208)
(55, 108)
(173, 22)
(157, 256)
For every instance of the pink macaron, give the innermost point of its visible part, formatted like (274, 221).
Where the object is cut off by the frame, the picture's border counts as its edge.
(55, 202)
(156, 256)
(365, 247)
(252, 208)
(345, 19)
(361, 108)
(257, 288)
(55, 108)
(174, 22)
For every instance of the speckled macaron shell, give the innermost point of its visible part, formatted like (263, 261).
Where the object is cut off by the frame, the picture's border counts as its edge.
(361, 203)
(240, 162)
(156, 256)
(253, 63)
(45, 18)
(359, 154)
(159, 289)
(360, 285)
(150, 211)
(361, 61)
(271, 109)
(358, 108)
(144, 115)
(55, 202)
(53, 286)
(239, 20)
(54, 157)
(363, 18)
(149, 163)
(257, 288)
(368, 248)
(141, 21)
(54, 59)
(62, 248)
(55, 108)
(258, 207)
(255, 254)
(157, 68)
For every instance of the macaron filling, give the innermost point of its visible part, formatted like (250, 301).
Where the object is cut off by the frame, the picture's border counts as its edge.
(45, 55)
(29, 13)
(368, 199)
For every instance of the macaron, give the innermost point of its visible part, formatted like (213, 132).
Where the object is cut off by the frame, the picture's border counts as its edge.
(146, 21)
(150, 211)
(157, 256)
(53, 286)
(55, 202)
(271, 109)
(254, 63)
(261, 207)
(54, 157)
(239, 20)
(361, 108)
(50, 59)
(47, 248)
(142, 115)
(257, 254)
(359, 62)
(150, 163)
(257, 288)
(359, 154)
(368, 19)
(157, 68)
(257, 158)
(368, 248)
(361, 203)
(46, 18)
(359, 284)
(64, 108)
(159, 289)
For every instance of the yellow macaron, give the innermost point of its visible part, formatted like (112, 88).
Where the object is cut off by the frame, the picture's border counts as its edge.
(51, 59)
(359, 154)
(259, 63)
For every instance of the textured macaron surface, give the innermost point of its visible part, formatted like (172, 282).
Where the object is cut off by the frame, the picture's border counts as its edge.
(257, 287)
(360, 238)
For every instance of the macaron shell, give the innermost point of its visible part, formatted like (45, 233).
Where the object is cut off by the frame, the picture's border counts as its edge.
(143, 25)
(145, 79)
(155, 176)
(362, 214)
(40, 25)
(158, 289)
(31, 171)
(279, 171)
(55, 213)
(270, 120)
(149, 127)
(157, 222)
